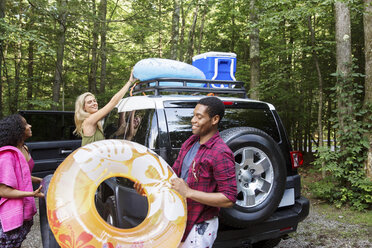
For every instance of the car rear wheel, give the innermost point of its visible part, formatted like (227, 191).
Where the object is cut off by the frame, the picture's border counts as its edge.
(260, 176)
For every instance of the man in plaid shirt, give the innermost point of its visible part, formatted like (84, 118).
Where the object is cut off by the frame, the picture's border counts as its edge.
(206, 168)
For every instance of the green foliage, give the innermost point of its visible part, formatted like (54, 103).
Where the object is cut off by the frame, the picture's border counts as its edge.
(345, 181)
(140, 29)
(41, 104)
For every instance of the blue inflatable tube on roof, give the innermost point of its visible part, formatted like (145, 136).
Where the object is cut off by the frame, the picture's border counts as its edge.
(151, 68)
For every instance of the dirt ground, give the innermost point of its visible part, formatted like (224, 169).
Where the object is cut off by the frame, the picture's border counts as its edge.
(315, 231)
(318, 229)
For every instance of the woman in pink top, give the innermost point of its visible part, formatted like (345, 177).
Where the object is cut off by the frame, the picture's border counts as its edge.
(17, 204)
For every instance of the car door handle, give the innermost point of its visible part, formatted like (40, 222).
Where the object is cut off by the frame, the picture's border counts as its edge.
(65, 151)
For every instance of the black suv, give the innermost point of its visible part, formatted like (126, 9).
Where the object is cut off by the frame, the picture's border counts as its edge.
(269, 203)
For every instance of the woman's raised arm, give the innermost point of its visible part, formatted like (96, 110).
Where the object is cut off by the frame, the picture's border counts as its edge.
(93, 119)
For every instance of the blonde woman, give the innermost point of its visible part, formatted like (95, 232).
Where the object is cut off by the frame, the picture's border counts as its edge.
(88, 116)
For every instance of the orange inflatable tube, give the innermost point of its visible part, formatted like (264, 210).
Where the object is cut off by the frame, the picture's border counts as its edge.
(72, 214)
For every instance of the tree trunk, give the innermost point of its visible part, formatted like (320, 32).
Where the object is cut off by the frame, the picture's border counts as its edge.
(329, 123)
(182, 46)
(175, 29)
(320, 90)
(294, 137)
(2, 15)
(182, 35)
(30, 62)
(329, 126)
(14, 97)
(92, 78)
(30, 73)
(102, 14)
(6, 76)
(190, 50)
(160, 30)
(367, 20)
(232, 44)
(286, 62)
(300, 138)
(343, 59)
(254, 52)
(61, 39)
(202, 26)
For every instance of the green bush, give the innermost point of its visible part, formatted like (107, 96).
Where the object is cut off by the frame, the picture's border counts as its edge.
(345, 181)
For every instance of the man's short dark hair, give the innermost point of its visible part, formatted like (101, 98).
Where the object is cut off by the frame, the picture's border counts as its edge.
(215, 106)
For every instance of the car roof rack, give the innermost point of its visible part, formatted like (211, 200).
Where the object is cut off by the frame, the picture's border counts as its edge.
(181, 85)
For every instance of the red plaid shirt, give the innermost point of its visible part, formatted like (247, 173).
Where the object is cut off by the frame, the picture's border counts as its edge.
(213, 171)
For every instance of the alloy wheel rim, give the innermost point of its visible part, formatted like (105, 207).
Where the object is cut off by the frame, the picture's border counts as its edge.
(254, 176)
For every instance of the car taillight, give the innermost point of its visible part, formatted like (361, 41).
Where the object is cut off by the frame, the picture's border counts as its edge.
(228, 103)
(297, 159)
(286, 229)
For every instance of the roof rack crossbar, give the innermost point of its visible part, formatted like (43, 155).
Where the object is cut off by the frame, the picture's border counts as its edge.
(186, 85)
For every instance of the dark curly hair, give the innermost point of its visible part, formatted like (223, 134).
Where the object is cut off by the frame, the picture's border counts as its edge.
(215, 106)
(12, 130)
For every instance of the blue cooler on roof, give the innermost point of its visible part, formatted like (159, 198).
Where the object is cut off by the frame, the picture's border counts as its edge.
(216, 66)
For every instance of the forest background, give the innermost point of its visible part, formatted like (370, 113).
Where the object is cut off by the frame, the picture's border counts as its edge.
(312, 59)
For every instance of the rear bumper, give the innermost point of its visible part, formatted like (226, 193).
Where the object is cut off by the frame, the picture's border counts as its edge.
(283, 221)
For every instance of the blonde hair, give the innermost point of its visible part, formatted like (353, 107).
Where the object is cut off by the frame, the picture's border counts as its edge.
(81, 114)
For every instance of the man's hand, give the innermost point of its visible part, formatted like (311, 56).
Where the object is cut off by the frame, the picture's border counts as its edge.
(181, 186)
(214, 199)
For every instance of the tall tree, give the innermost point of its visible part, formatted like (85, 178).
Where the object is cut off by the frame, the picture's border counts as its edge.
(160, 29)
(185, 8)
(30, 73)
(92, 78)
(2, 15)
(368, 79)
(320, 80)
(16, 45)
(191, 44)
(182, 33)
(175, 29)
(344, 60)
(30, 60)
(201, 30)
(233, 27)
(254, 51)
(13, 107)
(61, 40)
(102, 18)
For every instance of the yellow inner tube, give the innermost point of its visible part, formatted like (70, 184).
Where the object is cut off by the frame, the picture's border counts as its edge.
(72, 214)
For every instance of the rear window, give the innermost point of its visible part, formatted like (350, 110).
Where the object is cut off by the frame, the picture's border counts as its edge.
(50, 126)
(179, 122)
